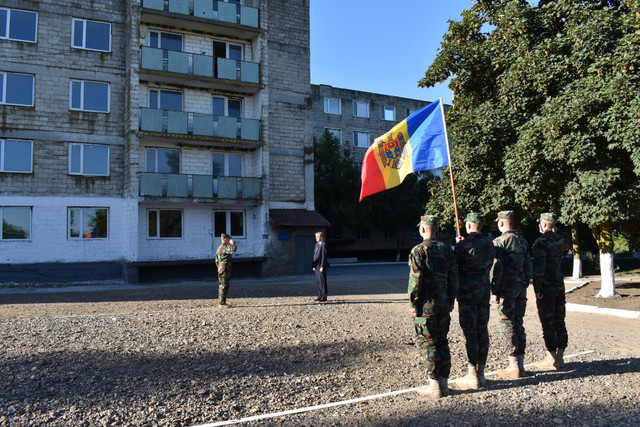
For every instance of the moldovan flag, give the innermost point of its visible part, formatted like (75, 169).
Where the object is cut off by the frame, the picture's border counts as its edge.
(415, 144)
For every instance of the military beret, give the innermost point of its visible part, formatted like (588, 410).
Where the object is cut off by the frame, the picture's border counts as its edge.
(504, 215)
(549, 217)
(224, 236)
(429, 220)
(475, 218)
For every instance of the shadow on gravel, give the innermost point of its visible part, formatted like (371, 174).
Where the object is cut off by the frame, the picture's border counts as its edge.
(47, 378)
(572, 370)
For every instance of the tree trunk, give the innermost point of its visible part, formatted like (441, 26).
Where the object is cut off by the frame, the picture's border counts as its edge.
(577, 255)
(604, 237)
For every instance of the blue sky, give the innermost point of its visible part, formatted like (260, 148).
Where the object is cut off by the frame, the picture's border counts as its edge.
(380, 46)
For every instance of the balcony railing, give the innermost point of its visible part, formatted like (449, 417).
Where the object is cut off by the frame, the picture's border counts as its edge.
(199, 186)
(186, 123)
(208, 9)
(199, 65)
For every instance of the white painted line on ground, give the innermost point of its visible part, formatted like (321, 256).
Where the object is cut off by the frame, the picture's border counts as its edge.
(575, 288)
(343, 402)
(597, 310)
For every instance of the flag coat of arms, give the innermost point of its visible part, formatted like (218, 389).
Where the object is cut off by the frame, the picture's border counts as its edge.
(417, 143)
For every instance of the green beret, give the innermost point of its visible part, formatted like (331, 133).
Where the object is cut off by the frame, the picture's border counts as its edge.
(504, 215)
(429, 220)
(475, 218)
(548, 217)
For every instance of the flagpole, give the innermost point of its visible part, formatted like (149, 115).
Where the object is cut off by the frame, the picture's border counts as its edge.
(453, 187)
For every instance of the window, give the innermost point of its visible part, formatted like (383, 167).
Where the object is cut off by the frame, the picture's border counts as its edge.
(361, 139)
(227, 164)
(388, 113)
(332, 105)
(91, 35)
(89, 96)
(165, 100)
(223, 49)
(165, 223)
(163, 160)
(16, 155)
(410, 111)
(18, 25)
(167, 41)
(88, 223)
(87, 159)
(361, 109)
(336, 133)
(229, 222)
(230, 107)
(16, 89)
(16, 223)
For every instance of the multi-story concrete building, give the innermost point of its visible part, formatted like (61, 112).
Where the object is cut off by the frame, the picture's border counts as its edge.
(134, 132)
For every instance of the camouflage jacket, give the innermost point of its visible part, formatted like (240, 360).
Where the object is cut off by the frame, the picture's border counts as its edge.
(511, 271)
(547, 259)
(474, 256)
(223, 256)
(433, 275)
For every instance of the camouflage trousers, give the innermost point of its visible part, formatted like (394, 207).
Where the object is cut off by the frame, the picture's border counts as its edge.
(474, 319)
(435, 330)
(511, 312)
(552, 311)
(223, 285)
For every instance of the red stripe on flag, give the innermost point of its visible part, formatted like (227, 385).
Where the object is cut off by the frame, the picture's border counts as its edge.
(371, 175)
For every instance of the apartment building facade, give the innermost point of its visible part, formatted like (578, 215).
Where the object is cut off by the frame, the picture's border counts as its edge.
(134, 132)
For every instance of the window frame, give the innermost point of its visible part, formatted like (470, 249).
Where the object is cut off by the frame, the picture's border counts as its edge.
(355, 139)
(158, 212)
(82, 235)
(3, 90)
(228, 223)
(226, 166)
(159, 36)
(384, 109)
(81, 160)
(84, 34)
(3, 156)
(333, 132)
(8, 25)
(29, 238)
(82, 100)
(327, 105)
(155, 159)
(355, 109)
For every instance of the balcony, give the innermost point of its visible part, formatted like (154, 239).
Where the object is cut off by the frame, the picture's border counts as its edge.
(185, 125)
(170, 66)
(199, 186)
(206, 16)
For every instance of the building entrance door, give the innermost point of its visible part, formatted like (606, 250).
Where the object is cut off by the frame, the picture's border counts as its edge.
(304, 253)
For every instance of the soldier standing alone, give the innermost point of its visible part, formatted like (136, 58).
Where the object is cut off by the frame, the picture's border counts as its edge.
(433, 283)
(548, 283)
(474, 256)
(510, 278)
(224, 263)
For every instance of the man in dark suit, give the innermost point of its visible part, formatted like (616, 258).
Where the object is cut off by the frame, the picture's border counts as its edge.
(320, 265)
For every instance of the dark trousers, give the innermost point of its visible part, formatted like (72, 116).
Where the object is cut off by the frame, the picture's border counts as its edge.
(436, 343)
(511, 312)
(474, 319)
(551, 310)
(321, 283)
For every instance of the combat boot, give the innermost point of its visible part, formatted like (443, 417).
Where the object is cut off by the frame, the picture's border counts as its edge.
(469, 381)
(512, 372)
(482, 381)
(222, 303)
(431, 390)
(549, 362)
(521, 370)
(444, 386)
(560, 358)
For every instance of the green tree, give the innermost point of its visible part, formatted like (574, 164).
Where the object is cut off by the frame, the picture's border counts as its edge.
(543, 99)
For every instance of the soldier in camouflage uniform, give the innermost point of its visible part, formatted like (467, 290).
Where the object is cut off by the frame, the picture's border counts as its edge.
(224, 263)
(510, 277)
(474, 256)
(548, 283)
(433, 283)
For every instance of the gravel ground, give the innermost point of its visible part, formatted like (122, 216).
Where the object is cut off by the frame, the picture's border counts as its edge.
(168, 356)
